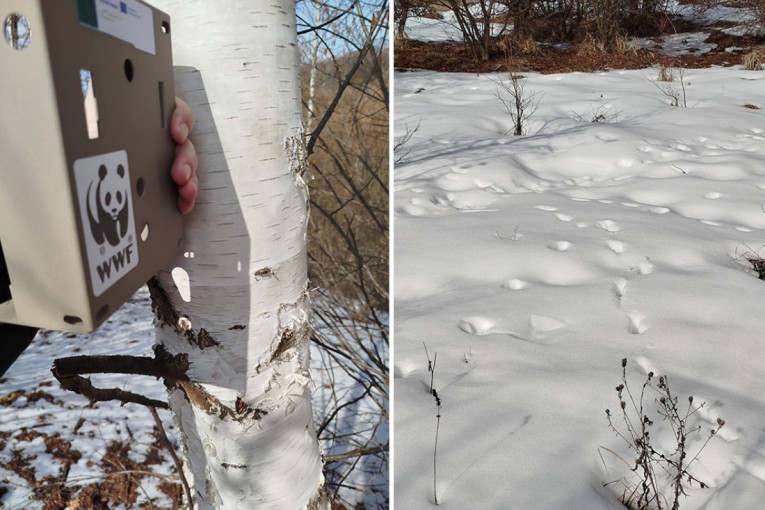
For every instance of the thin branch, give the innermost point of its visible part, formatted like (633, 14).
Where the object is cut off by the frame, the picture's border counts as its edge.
(323, 122)
(329, 22)
(358, 452)
(83, 386)
(176, 460)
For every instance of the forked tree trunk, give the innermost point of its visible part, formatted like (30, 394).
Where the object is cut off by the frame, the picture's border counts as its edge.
(234, 308)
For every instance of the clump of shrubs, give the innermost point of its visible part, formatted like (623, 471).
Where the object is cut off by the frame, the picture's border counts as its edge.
(662, 475)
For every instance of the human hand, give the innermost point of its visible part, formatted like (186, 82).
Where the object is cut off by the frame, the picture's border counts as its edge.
(184, 169)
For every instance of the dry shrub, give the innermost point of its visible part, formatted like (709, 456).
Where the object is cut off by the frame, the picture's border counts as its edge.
(758, 265)
(666, 74)
(348, 229)
(517, 45)
(590, 46)
(525, 45)
(753, 60)
(624, 46)
(659, 476)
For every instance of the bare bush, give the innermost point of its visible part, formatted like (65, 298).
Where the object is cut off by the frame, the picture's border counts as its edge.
(654, 466)
(516, 101)
(671, 82)
(400, 149)
(480, 22)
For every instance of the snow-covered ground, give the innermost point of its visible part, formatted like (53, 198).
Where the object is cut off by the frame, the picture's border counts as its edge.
(35, 409)
(532, 265)
(40, 423)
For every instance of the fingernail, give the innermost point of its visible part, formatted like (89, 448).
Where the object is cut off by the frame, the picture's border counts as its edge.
(186, 172)
(184, 130)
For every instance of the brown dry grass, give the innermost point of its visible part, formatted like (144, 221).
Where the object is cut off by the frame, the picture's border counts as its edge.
(754, 60)
(455, 58)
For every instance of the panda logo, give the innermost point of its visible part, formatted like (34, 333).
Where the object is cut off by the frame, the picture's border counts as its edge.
(109, 221)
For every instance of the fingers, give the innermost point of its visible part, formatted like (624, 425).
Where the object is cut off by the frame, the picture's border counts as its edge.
(187, 195)
(184, 169)
(184, 174)
(182, 121)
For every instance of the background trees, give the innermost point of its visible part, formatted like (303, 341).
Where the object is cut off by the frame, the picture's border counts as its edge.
(346, 109)
(507, 25)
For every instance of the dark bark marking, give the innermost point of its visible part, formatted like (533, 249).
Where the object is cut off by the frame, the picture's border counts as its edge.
(286, 342)
(205, 340)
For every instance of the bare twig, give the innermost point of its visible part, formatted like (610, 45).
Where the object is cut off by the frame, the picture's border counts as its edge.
(176, 460)
(358, 452)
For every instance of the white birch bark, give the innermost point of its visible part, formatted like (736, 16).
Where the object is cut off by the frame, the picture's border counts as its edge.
(238, 304)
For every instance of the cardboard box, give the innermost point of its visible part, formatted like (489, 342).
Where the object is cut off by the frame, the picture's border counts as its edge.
(87, 205)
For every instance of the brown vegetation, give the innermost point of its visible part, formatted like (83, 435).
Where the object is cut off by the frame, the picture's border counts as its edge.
(348, 182)
(565, 36)
(454, 58)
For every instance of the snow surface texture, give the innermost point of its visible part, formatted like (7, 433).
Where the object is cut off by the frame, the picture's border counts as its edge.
(532, 265)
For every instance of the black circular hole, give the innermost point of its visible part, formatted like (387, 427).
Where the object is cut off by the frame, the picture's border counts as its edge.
(140, 187)
(72, 319)
(129, 69)
(165, 27)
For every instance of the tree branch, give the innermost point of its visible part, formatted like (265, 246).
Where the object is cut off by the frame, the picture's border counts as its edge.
(358, 452)
(83, 386)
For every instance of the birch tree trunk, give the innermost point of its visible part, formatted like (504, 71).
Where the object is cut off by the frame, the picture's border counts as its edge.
(233, 309)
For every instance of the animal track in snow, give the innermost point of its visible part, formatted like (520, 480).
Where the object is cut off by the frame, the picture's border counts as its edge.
(620, 287)
(712, 195)
(560, 246)
(548, 208)
(515, 284)
(402, 368)
(608, 225)
(637, 323)
(542, 324)
(476, 325)
(563, 217)
(645, 267)
(616, 246)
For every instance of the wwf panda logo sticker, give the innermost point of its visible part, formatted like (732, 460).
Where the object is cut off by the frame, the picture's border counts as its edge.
(106, 211)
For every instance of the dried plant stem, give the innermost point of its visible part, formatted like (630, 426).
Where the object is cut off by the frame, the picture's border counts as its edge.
(435, 448)
(431, 366)
(648, 492)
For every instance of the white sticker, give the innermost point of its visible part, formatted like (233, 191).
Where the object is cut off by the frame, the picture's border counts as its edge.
(127, 20)
(106, 210)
